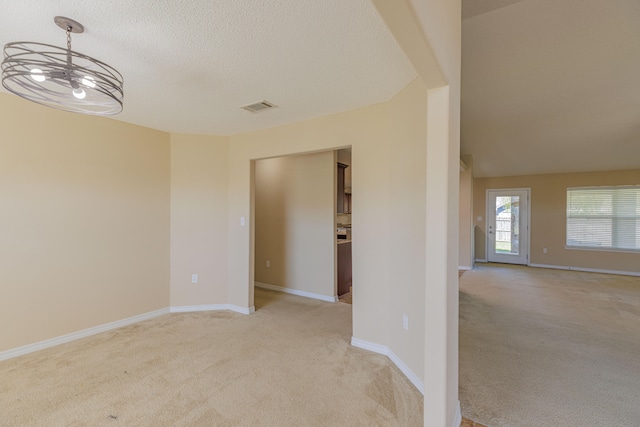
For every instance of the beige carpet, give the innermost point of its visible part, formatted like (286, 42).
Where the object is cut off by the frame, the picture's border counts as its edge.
(289, 364)
(550, 348)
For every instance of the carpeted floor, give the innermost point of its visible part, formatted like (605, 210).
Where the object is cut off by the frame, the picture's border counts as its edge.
(549, 348)
(289, 364)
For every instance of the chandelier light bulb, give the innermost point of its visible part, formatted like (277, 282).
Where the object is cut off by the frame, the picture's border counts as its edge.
(38, 75)
(88, 81)
(79, 93)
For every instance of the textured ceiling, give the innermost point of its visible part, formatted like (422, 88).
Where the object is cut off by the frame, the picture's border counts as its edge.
(547, 86)
(552, 86)
(189, 65)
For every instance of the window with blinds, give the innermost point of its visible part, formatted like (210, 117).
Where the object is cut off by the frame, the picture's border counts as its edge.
(604, 218)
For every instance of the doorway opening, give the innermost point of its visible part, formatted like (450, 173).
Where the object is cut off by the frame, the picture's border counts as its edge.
(344, 206)
(294, 207)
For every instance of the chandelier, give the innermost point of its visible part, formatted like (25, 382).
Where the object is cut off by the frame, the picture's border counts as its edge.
(62, 78)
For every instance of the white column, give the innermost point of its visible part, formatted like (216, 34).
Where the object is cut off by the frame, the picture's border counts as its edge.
(441, 407)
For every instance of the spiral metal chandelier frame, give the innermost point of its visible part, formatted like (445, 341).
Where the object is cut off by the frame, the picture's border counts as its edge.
(62, 78)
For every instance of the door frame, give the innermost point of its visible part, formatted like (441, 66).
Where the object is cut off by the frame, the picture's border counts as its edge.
(489, 211)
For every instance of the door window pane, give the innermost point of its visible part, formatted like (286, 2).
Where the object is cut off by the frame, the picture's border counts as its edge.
(507, 225)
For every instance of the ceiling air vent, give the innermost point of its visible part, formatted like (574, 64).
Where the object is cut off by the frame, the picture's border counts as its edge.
(258, 107)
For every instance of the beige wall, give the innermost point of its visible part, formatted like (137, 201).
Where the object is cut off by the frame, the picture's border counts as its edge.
(465, 249)
(407, 160)
(84, 217)
(374, 134)
(360, 127)
(199, 219)
(548, 218)
(440, 22)
(429, 32)
(294, 222)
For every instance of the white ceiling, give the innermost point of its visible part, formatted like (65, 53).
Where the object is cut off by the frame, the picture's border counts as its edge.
(551, 86)
(547, 86)
(189, 65)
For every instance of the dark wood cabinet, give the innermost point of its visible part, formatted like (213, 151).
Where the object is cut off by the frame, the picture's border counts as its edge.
(344, 268)
(340, 195)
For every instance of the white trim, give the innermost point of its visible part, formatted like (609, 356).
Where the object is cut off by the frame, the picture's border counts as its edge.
(194, 308)
(457, 420)
(406, 371)
(367, 345)
(296, 292)
(41, 345)
(481, 260)
(605, 187)
(386, 351)
(242, 310)
(601, 249)
(212, 307)
(588, 270)
(464, 267)
(52, 342)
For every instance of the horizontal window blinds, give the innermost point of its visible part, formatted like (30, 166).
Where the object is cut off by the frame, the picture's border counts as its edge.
(604, 217)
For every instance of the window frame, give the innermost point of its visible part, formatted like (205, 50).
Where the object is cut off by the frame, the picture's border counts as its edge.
(613, 217)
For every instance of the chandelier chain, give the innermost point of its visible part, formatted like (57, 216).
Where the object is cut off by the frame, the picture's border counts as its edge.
(69, 37)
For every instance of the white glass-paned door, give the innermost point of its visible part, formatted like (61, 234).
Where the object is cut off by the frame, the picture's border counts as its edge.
(507, 226)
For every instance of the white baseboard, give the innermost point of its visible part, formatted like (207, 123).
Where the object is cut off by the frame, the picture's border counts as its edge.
(41, 345)
(212, 307)
(52, 342)
(465, 268)
(481, 260)
(386, 351)
(457, 420)
(296, 292)
(242, 310)
(406, 371)
(588, 270)
(195, 308)
(367, 345)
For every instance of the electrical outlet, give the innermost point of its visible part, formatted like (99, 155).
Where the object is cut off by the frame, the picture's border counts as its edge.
(268, 264)
(194, 278)
(405, 322)
(479, 219)
(544, 250)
